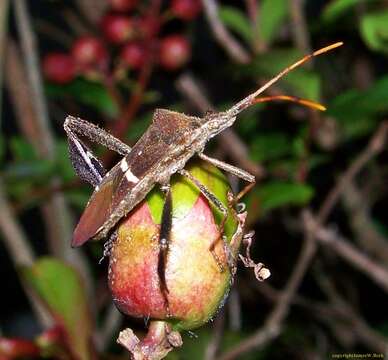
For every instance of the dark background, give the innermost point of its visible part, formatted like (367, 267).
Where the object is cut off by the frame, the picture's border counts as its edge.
(304, 161)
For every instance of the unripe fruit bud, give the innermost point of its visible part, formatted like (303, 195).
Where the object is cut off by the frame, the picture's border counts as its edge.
(122, 5)
(196, 285)
(175, 51)
(118, 28)
(18, 348)
(186, 9)
(133, 55)
(59, 68)
(89, 52)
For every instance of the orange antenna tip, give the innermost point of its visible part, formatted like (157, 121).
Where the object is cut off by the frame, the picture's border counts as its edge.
(327, 48)
(312, 104)
(305, 102)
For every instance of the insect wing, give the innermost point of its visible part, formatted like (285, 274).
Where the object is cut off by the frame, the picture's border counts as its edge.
(98, 208)
(166, 130)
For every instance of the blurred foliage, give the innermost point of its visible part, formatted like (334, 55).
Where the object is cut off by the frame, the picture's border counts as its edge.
(303, 156)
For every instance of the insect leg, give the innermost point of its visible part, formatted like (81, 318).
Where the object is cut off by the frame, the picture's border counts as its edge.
(219, 205)
(85, 164)
(108, 245)
(164, 240)
(242, 174)
(75, 125)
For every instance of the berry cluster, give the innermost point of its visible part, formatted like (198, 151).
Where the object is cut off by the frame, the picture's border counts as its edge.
(129, 37)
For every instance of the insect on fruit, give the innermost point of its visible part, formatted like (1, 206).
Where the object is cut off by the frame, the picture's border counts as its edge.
(163, 150)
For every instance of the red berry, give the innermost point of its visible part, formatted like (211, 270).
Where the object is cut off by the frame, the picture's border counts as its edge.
(134, 55)
(59, 68)
(118, 28)
(16, 348)
(122, 5)
(175, 51)
(89, 51)
(148, 26)
(186, 9)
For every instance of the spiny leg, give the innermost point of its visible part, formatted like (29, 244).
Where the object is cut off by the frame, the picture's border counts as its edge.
(85, 164)
(220, 206)
(164, 240)
(108, 245)
(75, 125)
(242, 174)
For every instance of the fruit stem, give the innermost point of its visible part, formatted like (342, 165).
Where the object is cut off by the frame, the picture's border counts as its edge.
(158, 342)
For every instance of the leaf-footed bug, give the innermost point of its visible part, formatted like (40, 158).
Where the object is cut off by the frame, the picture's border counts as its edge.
(163, 150)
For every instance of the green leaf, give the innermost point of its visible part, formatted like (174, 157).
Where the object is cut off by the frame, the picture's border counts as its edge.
(270, 146)
(337, 8)
(78, 197)
(86, 92)
(356, 111)
(60, 288)
(21, 149)
(272, 14)
(62, 161)
(374, 30)
(139, 127)
(29, 170)
(277, 194)
(237, 21)
(303, 83)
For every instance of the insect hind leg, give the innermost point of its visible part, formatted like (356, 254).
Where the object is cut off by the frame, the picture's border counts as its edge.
(164, 241)
(220, 206)
(82, 127)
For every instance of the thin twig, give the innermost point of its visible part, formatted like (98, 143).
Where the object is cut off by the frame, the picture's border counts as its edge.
(60, 36)
(19, 94)
(375, 145)
(299, 27)
(29, 49)
(272, 325)
(229, 142)
(253, 9)
(92, 9)
(214, 343)
(111, 325)
(221, 34)
(348, 251)
(346, 312)
(20, 251)
(366, 233)
(120, 127)
(55, 211)
(333, 314)
(4, 6)
(13, 237)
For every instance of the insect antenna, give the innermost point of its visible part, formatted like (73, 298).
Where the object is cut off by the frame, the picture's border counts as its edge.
(305, 102)
(253, 98)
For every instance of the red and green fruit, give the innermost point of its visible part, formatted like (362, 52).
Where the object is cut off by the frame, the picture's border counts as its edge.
(196, 285)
